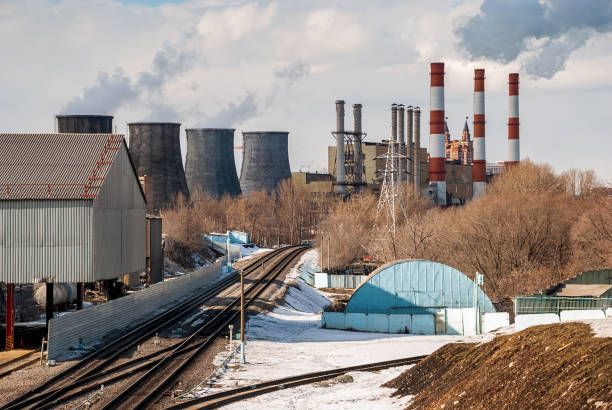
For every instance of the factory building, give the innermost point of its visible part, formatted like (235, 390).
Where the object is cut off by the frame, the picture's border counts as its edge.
(320, 190)
(417, 296)
(71, 209)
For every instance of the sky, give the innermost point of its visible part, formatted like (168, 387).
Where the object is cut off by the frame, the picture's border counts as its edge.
(280, 65)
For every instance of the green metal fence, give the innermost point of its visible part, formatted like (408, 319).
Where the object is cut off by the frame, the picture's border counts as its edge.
(555, 304)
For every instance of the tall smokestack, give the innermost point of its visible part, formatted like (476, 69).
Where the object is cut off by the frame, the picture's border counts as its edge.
(409, 147)
(357, 145)
(437, 164)
(514, 153)
(340, 188)
(394, 122)
(401, 144)
(417, 151)
(479, 167)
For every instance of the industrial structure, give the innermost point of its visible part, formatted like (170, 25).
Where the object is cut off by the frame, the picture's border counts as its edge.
(266, 161)
(156, 152)
(85, 124)
(514, 152)
(479, 176)
(414, 296)
(210, 165)
(437, 161)
(72, 208)
(349, 159)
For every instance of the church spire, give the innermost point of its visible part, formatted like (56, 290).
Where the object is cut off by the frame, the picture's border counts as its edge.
(465, 136)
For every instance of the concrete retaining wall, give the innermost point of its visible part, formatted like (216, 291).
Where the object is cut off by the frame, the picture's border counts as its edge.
(569, 315)
(93, 324)
(458, 322)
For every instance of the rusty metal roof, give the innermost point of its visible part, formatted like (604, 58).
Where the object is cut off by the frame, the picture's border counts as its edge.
(55, 166)
(583, 290)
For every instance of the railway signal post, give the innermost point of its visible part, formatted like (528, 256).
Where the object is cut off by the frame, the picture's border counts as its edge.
(242, 354)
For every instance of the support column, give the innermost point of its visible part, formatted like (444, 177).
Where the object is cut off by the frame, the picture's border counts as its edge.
(10, 316)
(48, 303)
(79, 295)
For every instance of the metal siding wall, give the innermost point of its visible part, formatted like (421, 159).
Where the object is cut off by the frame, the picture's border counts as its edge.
(45, 239)
(119, 222)
(93, 324)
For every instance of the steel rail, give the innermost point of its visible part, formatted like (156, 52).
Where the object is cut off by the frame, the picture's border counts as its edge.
(264, 281)
(241, 393)
(148, 327)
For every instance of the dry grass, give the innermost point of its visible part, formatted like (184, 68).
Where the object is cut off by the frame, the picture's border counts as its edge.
(553, 366)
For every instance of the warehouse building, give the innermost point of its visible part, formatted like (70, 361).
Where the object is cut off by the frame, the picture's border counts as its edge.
(71, 210)
(420, 297)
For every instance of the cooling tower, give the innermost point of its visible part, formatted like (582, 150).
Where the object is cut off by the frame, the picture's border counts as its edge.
(210, 162)
(85, 124)
(265, 162)
(156, 152)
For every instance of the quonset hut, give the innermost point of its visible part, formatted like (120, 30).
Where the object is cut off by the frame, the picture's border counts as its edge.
(71, 209)
(421, 297)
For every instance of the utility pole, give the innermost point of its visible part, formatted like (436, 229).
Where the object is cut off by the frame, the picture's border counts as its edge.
(242, 338)
(478, 281)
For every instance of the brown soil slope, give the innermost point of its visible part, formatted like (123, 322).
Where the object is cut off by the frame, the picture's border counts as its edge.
(560, 366)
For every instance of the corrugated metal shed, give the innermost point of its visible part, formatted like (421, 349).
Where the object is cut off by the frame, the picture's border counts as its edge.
(416, 286)
(71, 208)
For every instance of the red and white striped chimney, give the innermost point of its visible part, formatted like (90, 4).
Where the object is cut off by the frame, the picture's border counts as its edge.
(514, 153)
(437, 157)
(479, 166)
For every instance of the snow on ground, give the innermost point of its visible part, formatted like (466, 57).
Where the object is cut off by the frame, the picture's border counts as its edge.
(251, 252)
(289, 341)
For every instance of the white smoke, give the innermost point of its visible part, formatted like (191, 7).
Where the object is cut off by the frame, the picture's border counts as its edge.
(546, 31)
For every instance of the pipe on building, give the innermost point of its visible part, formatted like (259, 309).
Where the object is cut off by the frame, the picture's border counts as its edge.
(479, 166)
(437, 157)
(514, 154)
(409, 147)
(401, 143)
(357, 145)
(417, 150)
(340, 179)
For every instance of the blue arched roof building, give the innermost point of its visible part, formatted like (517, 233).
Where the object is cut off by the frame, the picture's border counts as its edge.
(416, 287)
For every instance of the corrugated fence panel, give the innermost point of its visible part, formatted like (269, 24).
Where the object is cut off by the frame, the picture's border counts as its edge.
(45, 239)
(93, 324)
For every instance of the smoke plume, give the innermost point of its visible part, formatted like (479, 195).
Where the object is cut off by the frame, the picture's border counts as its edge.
(546, 31)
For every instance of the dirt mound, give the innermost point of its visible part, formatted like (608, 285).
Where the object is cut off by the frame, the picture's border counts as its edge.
(553, 366)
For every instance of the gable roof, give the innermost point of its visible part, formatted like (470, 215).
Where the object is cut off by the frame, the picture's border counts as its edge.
(56, 166)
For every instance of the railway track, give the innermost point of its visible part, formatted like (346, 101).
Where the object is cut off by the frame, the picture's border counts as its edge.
(97, 364)
(242, 393)
(148, 387)
(19, 363)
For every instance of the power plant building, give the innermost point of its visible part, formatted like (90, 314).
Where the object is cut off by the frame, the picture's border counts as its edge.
(71, 208)
(266, 161)
(210, 165)
(85, 124)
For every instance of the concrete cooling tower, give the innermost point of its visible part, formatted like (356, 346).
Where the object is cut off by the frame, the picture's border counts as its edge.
(265, 162)
(210, 162)
(156, 152)
(85, 124)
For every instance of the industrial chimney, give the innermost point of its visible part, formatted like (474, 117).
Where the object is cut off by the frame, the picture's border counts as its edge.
(409, 146)
(479, 167)
(417, 151)
(401, 143)
(340, 179)
(357, 146)
(156, 152)
(210, 162)
(514, 153)
(85, 124)
(437, 158)
(394, 122)
(266, 161)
